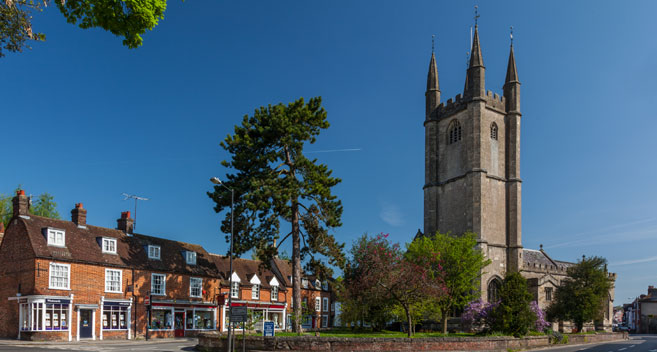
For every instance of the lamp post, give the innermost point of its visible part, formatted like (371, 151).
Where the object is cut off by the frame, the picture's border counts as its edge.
(217, 181)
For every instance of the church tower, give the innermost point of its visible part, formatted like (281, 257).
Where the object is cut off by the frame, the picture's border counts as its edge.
(472, 165)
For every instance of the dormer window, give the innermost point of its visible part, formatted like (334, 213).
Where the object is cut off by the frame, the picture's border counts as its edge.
(109, 245)
(317, 284)
(325, 286)
(190, 257)
(56, 238)
(154, 252)
(304, 283)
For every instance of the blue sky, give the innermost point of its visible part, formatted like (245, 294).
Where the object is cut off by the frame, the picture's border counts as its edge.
(86, 119)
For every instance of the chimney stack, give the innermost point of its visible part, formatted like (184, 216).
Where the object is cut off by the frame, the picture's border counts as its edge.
(125, 223)
(79, 215)
(21, 203)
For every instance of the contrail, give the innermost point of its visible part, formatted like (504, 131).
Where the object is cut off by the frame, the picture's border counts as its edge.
(335, 150)
(634, 261)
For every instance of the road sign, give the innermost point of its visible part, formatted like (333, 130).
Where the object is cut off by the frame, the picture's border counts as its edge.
(147, 300)
(268, 328)
(238, 314)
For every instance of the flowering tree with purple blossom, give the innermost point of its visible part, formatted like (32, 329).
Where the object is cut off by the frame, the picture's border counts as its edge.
(476, 316)
(541, 324)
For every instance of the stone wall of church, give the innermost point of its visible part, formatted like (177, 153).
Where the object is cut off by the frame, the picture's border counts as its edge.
(496, 269)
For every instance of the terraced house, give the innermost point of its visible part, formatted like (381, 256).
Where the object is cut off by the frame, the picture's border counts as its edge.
(66, 280)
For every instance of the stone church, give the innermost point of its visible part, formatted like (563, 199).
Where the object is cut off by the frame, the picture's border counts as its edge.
(472, 177)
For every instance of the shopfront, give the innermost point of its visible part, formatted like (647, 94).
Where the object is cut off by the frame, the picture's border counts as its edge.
(259, 312)
(182, 319)
(115, 318)
(44, 314)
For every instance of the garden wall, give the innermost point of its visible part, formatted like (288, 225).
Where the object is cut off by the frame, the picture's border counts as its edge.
(213, 342)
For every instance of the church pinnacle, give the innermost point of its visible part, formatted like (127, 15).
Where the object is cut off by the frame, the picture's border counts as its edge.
(511, 83)
(475, 78)
(433, 87)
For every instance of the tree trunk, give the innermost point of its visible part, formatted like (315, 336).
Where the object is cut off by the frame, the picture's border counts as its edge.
(296, 268)
(410, 322)
(444, 316)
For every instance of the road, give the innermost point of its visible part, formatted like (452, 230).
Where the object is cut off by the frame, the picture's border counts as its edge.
(153, 345)
(636, 343)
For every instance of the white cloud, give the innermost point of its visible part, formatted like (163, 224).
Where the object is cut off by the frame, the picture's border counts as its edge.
(391, 214)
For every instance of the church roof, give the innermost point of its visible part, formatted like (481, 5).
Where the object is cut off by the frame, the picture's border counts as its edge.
(538, 258)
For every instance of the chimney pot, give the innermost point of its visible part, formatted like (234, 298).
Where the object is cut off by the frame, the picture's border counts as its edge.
(125, 223)
(79, 215)
(21, 203)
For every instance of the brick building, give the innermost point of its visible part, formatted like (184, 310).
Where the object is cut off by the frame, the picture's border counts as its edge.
(65, 280)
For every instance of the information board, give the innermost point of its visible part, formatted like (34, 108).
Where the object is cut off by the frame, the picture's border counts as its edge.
(268, 328)
(238, 314)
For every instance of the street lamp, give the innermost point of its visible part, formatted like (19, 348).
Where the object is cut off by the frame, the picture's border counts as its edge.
(217, 181)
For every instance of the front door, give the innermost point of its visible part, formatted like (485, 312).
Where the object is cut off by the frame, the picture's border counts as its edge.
(85, 323)
(179, 328)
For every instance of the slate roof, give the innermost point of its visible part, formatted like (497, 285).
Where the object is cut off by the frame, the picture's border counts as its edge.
(539, 257)
(83, 244)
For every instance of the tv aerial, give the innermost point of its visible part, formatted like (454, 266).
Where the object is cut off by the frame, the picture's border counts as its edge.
(136, 198)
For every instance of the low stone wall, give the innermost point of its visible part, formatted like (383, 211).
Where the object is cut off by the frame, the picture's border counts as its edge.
(213, 342)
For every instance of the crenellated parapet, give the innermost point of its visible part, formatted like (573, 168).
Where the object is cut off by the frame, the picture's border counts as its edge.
(458, 103)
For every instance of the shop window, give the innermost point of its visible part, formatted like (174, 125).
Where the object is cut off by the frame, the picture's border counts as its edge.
(44, 316)
(195, 287)
(153, 252)
(161, 319)
(59, 276)
(158, 284)
(56, 238)
(203, 320)
(274, 293)
(115, 317)
(109, 245)
(113, 281)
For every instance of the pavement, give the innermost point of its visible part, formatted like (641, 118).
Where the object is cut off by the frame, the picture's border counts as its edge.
(160, 345)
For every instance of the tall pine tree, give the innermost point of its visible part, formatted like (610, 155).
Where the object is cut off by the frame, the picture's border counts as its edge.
(273, 180)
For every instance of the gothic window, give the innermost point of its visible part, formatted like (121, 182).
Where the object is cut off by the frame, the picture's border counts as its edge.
(493, 131)
(494, 290)
(454, 132)
(548, 293)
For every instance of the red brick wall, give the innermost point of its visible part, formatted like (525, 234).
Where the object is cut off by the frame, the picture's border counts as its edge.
(177, 288)
(16, 269)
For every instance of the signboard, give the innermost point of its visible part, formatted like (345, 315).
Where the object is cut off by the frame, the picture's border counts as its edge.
(63, 301)
(238, 314)
(147, 300)
(268, 328)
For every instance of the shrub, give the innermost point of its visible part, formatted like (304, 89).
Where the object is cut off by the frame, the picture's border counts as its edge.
(476, 316)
